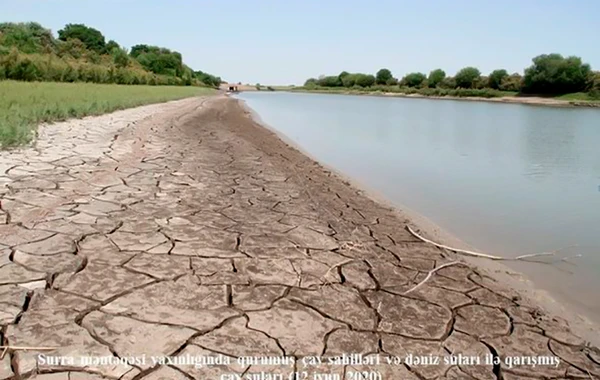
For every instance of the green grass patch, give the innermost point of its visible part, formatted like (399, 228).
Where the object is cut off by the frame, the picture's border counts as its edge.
(23, 105)
(580, 96)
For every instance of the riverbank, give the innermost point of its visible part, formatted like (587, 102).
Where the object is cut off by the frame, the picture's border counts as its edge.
(24, 105)
(570, 101)
(512, 276)
(196, 231)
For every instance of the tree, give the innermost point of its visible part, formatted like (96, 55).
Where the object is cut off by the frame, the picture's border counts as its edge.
(91, 38)
(467, 77)
(310, 82)
(496, 77)
(158, 60)
(110, 45)
(364, 80)
(413, 79)
(448, 83)
(343, 74)
(71, 47)
(554, 74)
(349, 80)
(383, 76)
(436, 77)
(28, 37)
(481, 82)
(207, 79)
(120, 57)
(329, 81)
(513, 82)
(594, 84)
(392, 82)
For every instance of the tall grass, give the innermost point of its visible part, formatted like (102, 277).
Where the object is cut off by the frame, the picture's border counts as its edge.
(23, 105)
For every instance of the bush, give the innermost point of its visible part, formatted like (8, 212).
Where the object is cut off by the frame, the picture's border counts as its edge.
(496, 77)
(91, 38)
(364, 80)
(413, 79)
(467, 77)
(554, 74)
(349, 80)
(448, 83)
(71, 48)
(383, 76)
(329, 81)
(436, 77)
(513, 82)
(120, 57)
(28, 37)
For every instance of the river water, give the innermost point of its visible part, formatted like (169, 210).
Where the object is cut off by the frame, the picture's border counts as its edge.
(509, 179)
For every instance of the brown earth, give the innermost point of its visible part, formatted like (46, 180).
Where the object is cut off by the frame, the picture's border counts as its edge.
(188, 229)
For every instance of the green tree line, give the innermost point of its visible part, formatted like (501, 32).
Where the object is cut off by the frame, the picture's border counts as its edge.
(549, 74)
(80, 53)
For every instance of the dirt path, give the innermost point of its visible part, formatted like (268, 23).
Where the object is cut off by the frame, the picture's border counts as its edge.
(186, 231)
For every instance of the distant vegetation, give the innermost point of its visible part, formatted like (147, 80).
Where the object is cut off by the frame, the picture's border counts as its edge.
(30, 52)
(23, 105)
(549, 75)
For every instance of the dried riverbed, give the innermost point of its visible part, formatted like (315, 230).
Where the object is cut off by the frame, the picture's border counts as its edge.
(187, 230)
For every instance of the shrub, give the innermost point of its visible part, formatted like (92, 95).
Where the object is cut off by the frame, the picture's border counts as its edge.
(91, 38)
(329, 81)
(413, 79)
(364, 80)
(120, 57)
(554, 74)
(513, 82)
(349, 80)
(467, 77)
(383, 76)
(496, 77)
(436, 77)
(28, 37)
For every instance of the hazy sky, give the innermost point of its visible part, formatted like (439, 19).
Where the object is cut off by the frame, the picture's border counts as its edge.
(287, 41)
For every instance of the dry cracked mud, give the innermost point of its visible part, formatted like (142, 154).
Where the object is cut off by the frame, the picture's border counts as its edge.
(187, 229)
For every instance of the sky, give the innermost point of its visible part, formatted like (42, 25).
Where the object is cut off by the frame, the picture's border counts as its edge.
(287, 41)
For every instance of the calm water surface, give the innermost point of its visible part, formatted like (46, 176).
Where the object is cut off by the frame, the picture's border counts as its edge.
(507, 179)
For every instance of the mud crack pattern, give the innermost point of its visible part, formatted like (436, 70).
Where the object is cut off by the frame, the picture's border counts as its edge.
(185, 228)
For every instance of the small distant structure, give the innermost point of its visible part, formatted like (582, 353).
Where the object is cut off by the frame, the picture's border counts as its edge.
(232, 87)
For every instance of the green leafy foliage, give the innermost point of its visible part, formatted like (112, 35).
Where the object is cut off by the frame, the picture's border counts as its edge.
(120, 57)
(383, 76)
(91, 38)
(329, 81)
(111, 45)
(496, 77)
(364, 80)
(436, 77)
(513, 82)
(467, 77)
(28, 37)
(30, 52)
(207, 79)
(310, 82)
(349, 80)
(447, 83)
(413, 79)
(554, 74)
